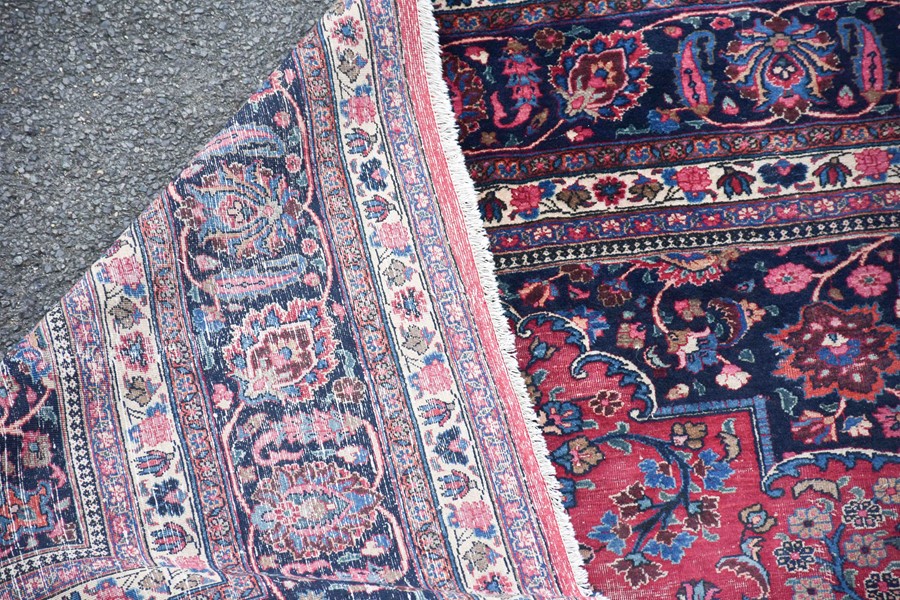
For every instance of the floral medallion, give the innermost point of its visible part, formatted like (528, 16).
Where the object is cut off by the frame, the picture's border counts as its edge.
(603, 77)
(314, 509)
(282, 355)
(245, 210)
(845, 351)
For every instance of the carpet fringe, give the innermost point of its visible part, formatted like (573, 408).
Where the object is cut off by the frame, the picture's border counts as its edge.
(478, 240)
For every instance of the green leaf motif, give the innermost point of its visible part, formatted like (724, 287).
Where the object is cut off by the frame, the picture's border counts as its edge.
(622, 445)
(788, 400)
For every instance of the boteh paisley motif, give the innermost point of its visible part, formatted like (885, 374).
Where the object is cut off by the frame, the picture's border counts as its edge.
(695, 234)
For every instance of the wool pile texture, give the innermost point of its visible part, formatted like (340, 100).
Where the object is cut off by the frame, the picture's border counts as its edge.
(524, 299)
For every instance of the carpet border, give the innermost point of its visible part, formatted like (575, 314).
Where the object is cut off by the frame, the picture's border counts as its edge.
(467, 197)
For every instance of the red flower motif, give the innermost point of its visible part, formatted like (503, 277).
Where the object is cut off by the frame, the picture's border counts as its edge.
(835, 350)
(609, 190)
(602, 77)
(526, 198)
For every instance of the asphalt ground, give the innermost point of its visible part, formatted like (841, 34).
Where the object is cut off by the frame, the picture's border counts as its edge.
(101, 104)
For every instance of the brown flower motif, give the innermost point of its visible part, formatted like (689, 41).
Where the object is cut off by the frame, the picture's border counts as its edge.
(578, 456)
(36, 450)
(549, 39)
(606, 402)
(702, 513)
(613, 293)
(756, 519)
(689, 434)
(277, 354)
(694, 268)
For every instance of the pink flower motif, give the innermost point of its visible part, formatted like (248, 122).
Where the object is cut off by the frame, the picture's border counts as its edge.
(826, 14)
(494, 583)
(124, 271)
(347, 30)
(889, 417)
(869, 280)
(472, 515)
(434, 378)
(393, 236)
(155, 430)
(693, 179)
(194, 563)
(361, 109)
(526, 198)
(293, 163)
(135, 351)
(410, 303)
(222, 396)
(477, 53)
(720, 23)
(579, 134)
(732, 377)
(873, 162)
(787, 278)
(308, 246)
(282, 119)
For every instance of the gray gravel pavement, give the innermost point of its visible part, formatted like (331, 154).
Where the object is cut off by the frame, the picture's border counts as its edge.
(100, 105)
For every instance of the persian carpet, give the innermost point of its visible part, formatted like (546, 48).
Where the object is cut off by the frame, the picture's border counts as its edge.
(693, 210)
(285, 379)
(670, 368)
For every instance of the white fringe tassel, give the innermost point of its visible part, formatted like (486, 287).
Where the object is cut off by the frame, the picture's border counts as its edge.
(478, 240)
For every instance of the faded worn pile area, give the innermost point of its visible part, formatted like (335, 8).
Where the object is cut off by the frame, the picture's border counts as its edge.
(283, 380)
(693, 211)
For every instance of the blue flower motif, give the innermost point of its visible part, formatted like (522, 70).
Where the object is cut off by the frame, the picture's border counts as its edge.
(783, 173)
(451, 447)
(567, 488)
(167, 499)
(373, 175)
(561, 417)
(604, 533)
(672, 552)
(594, 321)
(661, 123)
(716, 472)
(653, 478)
(704, 356)
(822, 256)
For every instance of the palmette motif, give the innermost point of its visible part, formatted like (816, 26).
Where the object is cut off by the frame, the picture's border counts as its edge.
(693, 213)
(274, 384)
